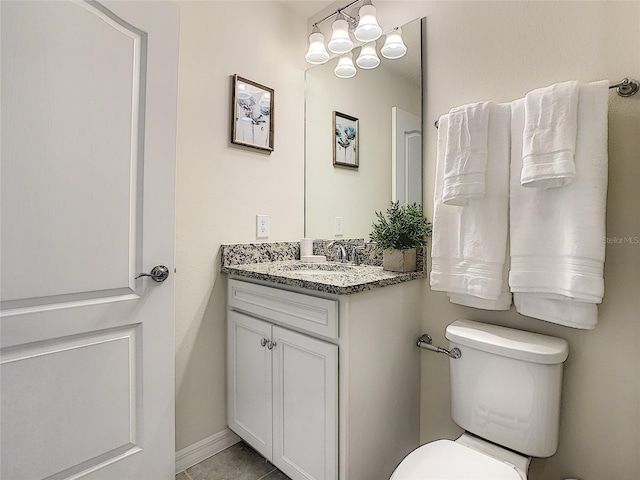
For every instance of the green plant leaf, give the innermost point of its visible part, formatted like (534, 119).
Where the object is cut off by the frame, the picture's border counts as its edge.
(403, 227)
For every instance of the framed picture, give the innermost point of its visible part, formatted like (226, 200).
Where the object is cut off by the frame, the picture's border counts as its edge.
(345, 140)
(252, 118)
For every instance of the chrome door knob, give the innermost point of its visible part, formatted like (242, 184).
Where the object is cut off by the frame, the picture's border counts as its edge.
(159, 274)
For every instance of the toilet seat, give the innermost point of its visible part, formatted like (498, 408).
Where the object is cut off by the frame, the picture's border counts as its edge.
(448, 460)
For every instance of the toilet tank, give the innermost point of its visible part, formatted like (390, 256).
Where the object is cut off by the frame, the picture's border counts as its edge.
(507, 384)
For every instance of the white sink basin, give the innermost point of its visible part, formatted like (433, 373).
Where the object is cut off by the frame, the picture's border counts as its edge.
(317, 269)
(318, 272)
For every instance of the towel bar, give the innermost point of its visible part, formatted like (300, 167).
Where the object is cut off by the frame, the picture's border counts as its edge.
(425, 341)
(626, 87)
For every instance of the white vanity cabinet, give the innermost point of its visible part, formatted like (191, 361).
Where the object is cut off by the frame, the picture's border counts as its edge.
(283, 385)
(325, 386)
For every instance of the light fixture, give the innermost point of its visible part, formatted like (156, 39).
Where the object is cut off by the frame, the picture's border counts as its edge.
(368, 29)
(345, 67)
(368, 57)
(265, 100)
(340, 40)
(316, 54)
(242, 93)
(393, 46)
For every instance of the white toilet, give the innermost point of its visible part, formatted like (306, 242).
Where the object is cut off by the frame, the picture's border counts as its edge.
(505, 393)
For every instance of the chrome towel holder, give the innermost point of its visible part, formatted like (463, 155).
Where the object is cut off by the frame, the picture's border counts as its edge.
(425, 341)
(625, 88)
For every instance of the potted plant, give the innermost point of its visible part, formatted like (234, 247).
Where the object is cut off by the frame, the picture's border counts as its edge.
(398, 234)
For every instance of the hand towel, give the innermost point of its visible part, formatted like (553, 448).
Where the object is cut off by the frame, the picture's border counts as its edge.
(469, 243)
(465, 159)
(549, 137)
(556, 235)
(503, 302)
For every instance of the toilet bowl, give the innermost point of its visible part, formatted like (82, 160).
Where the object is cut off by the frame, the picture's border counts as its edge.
(467, 458)
(505, 394)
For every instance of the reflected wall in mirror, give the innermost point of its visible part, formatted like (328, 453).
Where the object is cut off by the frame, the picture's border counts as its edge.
(386, 99)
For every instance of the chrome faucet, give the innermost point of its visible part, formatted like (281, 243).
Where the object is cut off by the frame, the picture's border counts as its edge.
(341, 252)
(354, 258)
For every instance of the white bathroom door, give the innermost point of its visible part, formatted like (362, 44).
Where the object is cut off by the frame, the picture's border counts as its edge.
(406, 171)
(88, 105)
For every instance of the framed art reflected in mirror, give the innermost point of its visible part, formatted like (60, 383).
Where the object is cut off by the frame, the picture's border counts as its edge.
(345, 142)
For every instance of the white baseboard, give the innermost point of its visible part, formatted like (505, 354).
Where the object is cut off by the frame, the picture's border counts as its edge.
(199, 451)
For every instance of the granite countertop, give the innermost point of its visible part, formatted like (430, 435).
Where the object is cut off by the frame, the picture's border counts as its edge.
(335, 278)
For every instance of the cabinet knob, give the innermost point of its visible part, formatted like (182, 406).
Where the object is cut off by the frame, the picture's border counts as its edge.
(267, 343)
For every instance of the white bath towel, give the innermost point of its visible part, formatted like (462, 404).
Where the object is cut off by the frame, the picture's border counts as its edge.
(469, 243)
(557, 235)
(549, 136)
(465, 158)
(563, 311)
(503, 302)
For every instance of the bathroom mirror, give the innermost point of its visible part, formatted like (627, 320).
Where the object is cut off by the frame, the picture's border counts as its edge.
(341, 202)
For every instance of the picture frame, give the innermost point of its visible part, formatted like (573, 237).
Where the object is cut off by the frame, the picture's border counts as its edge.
(346, 138)
(252, 121)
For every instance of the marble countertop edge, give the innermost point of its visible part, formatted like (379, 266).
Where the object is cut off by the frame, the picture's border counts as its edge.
(361, 279)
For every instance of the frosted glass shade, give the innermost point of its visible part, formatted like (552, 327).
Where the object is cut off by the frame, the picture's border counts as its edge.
(368, 57)
(368, 29)
(242, 93)
(345, 67)
(393, 46)
(340, 40)
(265, 101)
(316, 54)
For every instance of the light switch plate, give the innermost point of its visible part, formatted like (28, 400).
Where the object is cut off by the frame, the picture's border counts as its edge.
(337, 226)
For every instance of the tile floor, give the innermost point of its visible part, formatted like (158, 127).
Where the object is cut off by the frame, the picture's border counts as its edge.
(238, 462)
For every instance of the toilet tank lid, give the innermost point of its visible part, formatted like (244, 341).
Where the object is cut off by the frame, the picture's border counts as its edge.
(508, 342)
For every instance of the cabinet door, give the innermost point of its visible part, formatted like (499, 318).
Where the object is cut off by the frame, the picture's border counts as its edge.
(249, 390)
(305, 415)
